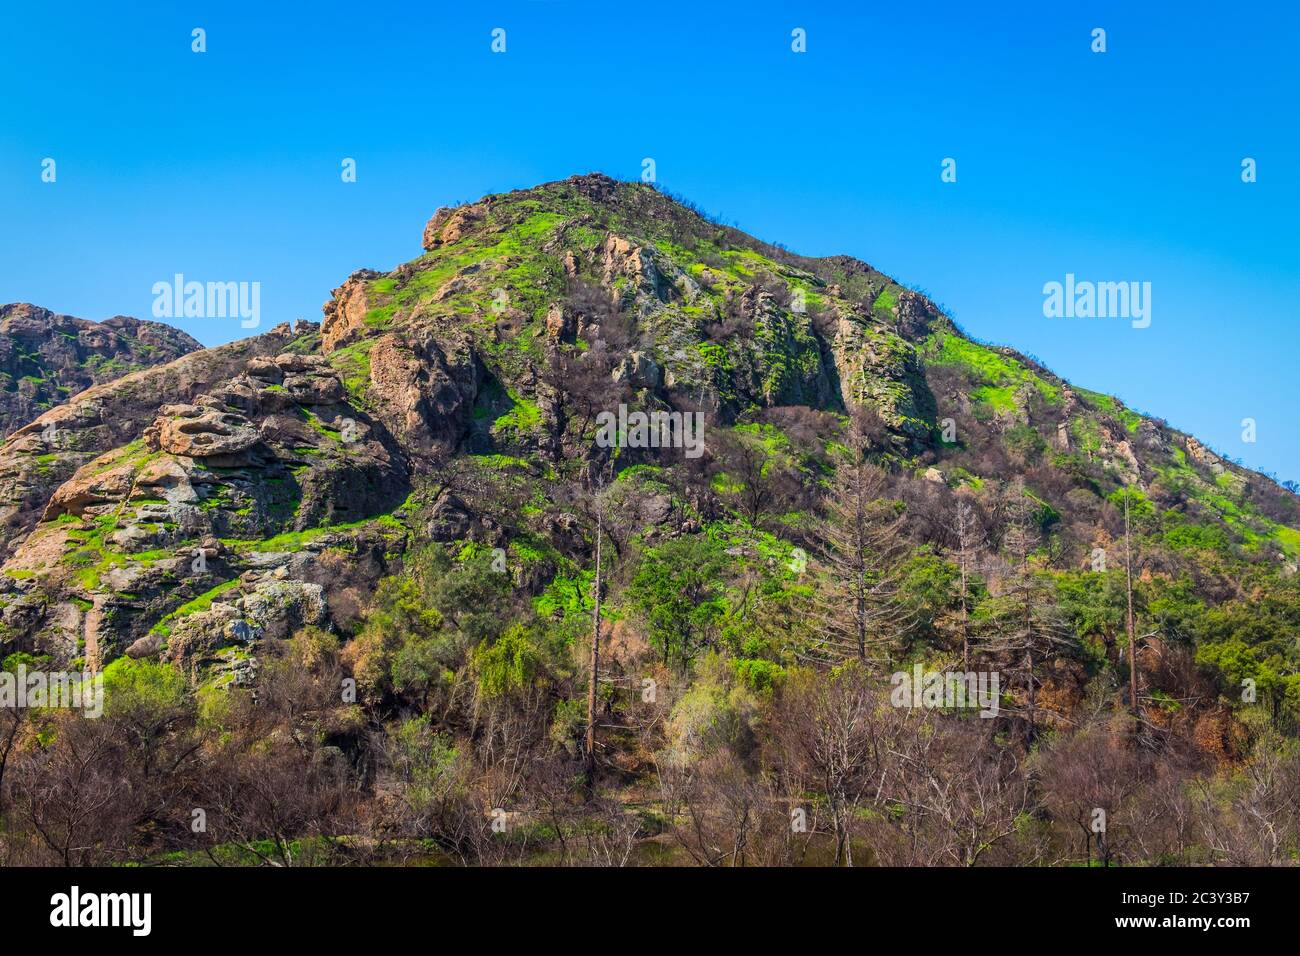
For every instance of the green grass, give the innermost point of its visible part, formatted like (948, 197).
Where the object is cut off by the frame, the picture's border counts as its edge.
(319, 427)
(352, 362)
(295, 540)
(1001, 399)
(1109, 405)
(201, 603)
(987, 367)
(1288, 538)
(500, 462)
(524, 415)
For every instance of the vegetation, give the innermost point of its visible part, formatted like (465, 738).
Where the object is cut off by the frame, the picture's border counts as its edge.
(917, 601)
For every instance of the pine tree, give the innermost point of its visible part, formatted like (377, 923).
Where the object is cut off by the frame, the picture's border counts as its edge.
(861, 611)
(1026, 629)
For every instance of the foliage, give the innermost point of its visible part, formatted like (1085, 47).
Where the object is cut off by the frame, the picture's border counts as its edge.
(677, 592)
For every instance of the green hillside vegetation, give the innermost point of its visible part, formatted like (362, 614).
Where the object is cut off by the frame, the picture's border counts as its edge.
(394, 638)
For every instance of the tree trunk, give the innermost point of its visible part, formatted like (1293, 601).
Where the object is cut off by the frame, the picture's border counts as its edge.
(1029, 664)
(590, 748)
(1132, 631)
(965, 629)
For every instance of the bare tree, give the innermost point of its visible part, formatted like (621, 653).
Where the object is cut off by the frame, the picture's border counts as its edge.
(73, 798)
(12, 721)
(1257, 822)
(593, 677)
(830, 735)
(949, 795)
(1089, 781)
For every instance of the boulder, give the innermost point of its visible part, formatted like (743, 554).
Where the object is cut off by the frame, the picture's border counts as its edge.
(198, 432)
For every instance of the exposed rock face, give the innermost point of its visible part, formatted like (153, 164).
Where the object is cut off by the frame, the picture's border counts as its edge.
(345, 312)
(450, 225)
(42, 455)
(640, 370)
(1203, 456)
(265, 606)
(425, 389)
(560, 323)
(196, 498)
(1121, 457)
(917, 315)
(624, 259)
(46, 358)
(82, 491)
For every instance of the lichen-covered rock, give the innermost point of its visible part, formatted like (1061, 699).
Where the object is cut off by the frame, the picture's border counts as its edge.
(271, 608)
(39, 457)
(277, 608)
(639, 370)
(145, 530)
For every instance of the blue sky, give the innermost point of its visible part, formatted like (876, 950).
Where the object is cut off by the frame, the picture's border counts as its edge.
(1120, 166)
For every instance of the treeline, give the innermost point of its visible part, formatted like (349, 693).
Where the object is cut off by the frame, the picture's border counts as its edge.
(815, 768)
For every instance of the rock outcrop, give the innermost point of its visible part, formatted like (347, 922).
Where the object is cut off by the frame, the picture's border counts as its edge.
(47, 358)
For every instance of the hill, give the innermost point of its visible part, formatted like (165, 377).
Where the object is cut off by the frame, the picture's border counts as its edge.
(47, 358)
(414, 495)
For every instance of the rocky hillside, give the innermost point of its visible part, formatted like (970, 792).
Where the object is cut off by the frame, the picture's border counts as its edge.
(492, 354)
(46, 358)
(412, 500)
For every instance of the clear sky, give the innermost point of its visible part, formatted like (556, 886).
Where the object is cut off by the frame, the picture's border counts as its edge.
(1121, 166)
